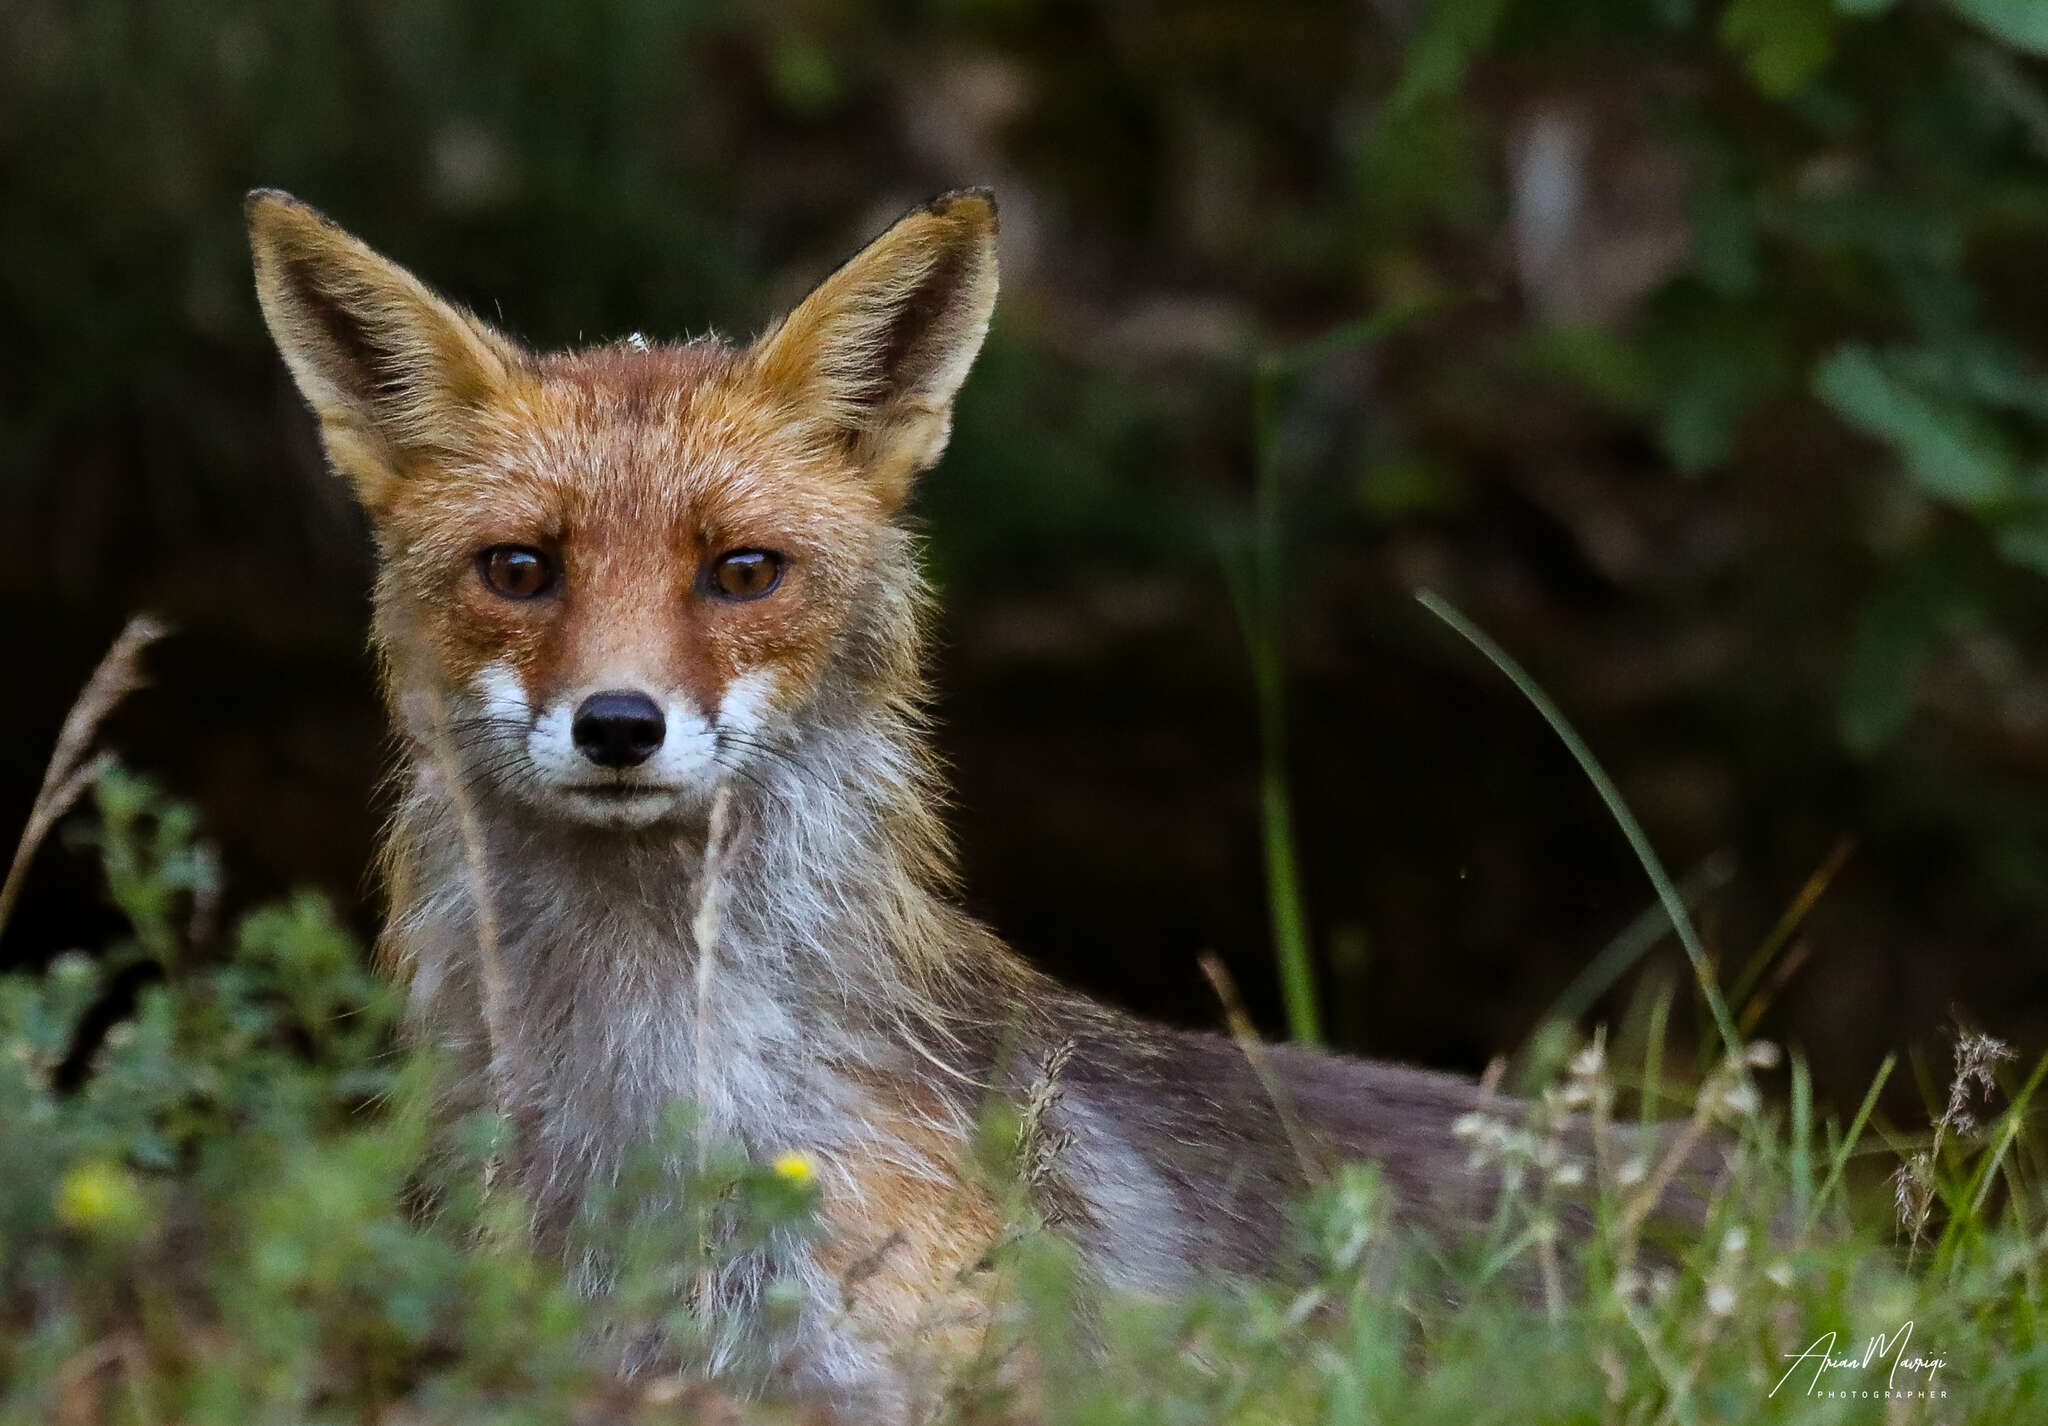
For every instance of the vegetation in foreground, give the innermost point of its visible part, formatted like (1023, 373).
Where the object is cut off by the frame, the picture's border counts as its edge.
(222, 1200)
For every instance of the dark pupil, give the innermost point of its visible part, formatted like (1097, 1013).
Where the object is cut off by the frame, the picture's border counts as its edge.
(517, 571)
(744, 574)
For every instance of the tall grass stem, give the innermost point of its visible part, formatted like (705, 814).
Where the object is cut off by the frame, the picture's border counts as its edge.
(1674, 905)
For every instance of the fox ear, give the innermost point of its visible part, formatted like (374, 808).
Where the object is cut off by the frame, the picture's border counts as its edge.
(874, 356)
(391, 370)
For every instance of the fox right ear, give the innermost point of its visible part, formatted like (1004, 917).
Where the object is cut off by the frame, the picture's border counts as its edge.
(873, 358)
(392, 371)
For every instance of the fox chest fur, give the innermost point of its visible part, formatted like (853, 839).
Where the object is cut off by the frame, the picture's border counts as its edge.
(650, 620)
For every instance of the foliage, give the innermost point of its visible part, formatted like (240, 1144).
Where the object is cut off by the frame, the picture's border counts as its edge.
(227, 1204)
(224, 1203)
(1858, 221)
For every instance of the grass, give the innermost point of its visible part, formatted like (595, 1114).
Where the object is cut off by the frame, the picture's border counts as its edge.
(223, 1199)
(1638, 840)
(1258, 578)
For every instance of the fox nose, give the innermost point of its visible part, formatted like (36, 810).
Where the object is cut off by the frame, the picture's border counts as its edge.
(617, 728)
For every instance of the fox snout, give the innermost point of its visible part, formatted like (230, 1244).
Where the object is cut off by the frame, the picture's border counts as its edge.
(618, 728)
(618, 751)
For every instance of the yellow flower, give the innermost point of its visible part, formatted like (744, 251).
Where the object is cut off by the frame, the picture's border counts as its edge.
(98, 1195)
(794, 1168)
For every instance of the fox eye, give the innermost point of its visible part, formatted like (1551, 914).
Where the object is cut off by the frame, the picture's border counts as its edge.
(516, 571)
(744, 574)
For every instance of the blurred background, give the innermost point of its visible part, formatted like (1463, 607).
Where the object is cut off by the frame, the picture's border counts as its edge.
(1722, 401)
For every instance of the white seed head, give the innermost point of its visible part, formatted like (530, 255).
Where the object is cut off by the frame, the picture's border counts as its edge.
(1740, 1098)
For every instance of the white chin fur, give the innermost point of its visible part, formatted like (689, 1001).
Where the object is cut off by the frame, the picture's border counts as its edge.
(679, 779)
(626, 808)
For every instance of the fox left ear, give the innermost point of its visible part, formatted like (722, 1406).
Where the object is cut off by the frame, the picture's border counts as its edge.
(874, 356)
(392, 371)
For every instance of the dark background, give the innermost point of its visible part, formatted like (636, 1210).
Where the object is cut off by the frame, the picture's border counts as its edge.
(1727, 413)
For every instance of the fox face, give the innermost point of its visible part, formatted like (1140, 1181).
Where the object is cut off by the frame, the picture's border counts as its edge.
(610, 579)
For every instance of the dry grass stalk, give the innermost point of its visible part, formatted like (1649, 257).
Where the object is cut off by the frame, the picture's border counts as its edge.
(71, 771)
(505, 1058)
(1247, 1037)
(1977, 1057)
(1728, 1089)
(704, 931)
(1037, 1151)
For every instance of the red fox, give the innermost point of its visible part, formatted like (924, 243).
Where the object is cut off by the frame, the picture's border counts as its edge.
(631, 592)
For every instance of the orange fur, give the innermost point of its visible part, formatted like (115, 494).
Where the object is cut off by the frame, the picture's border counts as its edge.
(904, 1241)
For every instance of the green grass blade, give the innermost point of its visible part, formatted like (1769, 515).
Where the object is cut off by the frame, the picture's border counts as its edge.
(1257, 615)
(1653, 1057)
(1635, 941)
(1847, 1146)
(1674, 907)
(1290, 921)
(2009, 1125)
(1362, 332)
(1256, 583)
(1802, 1138)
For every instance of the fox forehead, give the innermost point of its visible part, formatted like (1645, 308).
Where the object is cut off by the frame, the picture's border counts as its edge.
(626, 445)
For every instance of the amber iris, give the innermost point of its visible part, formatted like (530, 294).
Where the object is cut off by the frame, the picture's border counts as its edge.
(516, 571)
(745, 574)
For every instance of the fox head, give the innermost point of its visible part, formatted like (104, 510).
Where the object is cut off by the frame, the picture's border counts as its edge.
(610, 578)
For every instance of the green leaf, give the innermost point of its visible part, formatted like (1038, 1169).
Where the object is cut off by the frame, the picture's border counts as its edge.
(1982, 371)
(2025, 542)
(1697, 428)
(1951, 451)
(1885, 663)
(1612, 370)
(1408, 485)
(1724, 244)
(1897, 635)
(803, 75)
(2020, 23)
(1782, 43)
(1455, 32)
(1716, 360)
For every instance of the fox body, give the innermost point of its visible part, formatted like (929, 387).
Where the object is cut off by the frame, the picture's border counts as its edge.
(650, 622)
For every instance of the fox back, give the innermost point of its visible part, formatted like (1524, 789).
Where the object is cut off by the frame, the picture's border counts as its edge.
(650, 619)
